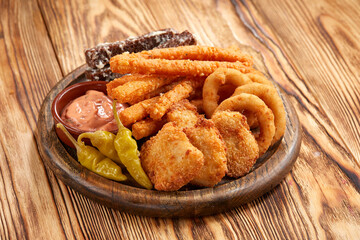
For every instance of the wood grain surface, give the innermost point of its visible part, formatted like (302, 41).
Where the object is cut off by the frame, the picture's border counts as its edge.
(267, 172)
(311, 49)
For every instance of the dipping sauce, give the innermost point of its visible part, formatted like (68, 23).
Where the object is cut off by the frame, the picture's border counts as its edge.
(91, 112)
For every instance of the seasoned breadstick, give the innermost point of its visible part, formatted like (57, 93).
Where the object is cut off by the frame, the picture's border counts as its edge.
(179, 92)
(146, 127)
(136, 112)
(133, 90)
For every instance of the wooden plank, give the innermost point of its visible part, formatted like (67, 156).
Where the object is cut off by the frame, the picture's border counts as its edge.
(328, 172)
(321, 196)
(324, 48)
(31, 203)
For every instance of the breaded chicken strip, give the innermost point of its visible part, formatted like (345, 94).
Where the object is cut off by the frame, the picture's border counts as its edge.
(242, 149)
(203, 134)
(170, 160)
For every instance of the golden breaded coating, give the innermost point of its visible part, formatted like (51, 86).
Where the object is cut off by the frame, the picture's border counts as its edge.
(146, 127)
(203, 134)
(118, 82)
(170, 160)
(181, 61)
(183, 113)
(162, 106)
(206, 137)
(134, 90)
(242, 149)
(271, 98)
(136, 112)
(198, 103)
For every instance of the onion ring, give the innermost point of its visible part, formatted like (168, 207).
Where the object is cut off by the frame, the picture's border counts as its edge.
(271, 98)
(213, 82)
(258, 77)
(245, 101)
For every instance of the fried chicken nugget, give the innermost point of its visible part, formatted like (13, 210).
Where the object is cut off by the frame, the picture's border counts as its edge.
(203, 134)
(242, 149)
(183, 113)
(170, 160)
(206, 137)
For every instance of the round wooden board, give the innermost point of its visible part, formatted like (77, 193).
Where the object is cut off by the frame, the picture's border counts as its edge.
(269, 170)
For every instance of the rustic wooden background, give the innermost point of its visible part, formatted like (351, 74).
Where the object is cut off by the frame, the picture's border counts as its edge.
(311, 49)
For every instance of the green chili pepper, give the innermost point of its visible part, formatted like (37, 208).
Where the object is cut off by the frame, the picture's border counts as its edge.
(128, 153)
(94, 160)
(104, 142)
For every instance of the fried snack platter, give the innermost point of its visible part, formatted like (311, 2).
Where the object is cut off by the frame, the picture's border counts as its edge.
(268, 171)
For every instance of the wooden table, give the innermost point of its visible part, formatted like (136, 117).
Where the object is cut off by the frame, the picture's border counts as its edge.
(312, 47)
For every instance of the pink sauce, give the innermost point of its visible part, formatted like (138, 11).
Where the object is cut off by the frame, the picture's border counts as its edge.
(91, 112)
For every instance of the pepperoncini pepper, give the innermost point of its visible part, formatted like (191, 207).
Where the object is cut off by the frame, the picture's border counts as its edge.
(128, 153)
(94, 160)
(104, 142)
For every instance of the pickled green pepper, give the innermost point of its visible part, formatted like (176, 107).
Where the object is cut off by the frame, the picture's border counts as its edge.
(94, 160)
(104, 142)
(128, 153)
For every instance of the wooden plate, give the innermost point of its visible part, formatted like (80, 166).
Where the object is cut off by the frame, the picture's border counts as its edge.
(268, 172)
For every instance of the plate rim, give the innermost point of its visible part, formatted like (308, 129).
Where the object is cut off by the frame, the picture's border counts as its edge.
(199, 202)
